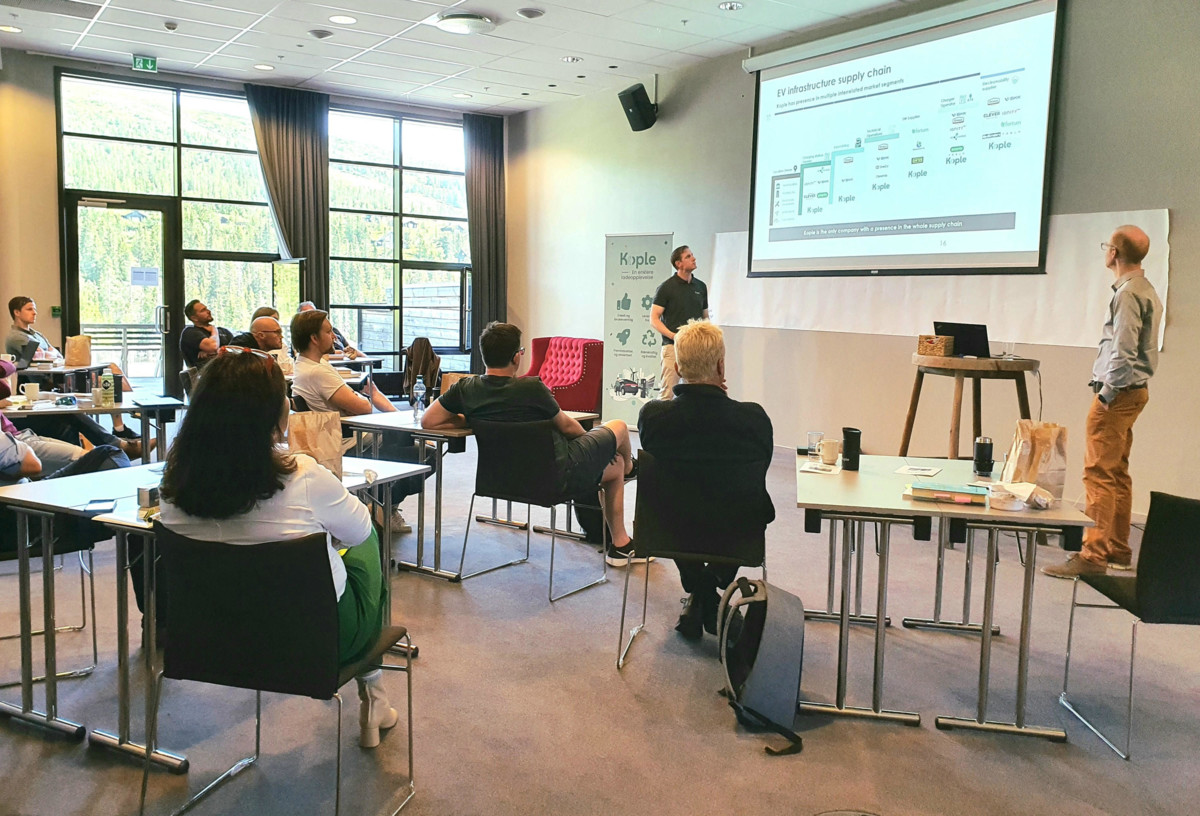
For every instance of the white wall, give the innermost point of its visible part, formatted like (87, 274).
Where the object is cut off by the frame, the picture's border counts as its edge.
(1126, 135)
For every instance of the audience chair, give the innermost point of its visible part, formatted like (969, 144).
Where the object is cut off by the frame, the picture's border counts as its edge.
(261, 617)
(420, 360)
(79, 538)
(1166, 589)
(449, 378)
(516, 463)
(187, 378)
(571, 367)
(716, 520)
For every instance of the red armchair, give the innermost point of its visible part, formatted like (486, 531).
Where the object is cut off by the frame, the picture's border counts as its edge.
(571, 367)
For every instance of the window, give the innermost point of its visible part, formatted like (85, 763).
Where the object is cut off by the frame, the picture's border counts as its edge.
(399, 252)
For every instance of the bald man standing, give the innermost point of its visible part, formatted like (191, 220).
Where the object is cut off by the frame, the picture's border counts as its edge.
(1124, 365)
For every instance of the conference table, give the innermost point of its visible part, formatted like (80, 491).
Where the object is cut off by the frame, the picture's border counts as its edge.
(156, 411)
(442, 440)
(68, 374)
(876, 493)
(70, 495)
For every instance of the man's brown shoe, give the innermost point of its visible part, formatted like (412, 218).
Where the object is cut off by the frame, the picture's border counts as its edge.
(1073, 567)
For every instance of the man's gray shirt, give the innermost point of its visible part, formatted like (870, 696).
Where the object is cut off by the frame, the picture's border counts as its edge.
(1128, 351)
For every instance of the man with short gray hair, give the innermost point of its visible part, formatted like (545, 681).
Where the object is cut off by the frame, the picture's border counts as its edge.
(701, 427)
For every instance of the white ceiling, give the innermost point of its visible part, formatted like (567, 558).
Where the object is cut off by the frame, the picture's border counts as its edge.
(393, 51)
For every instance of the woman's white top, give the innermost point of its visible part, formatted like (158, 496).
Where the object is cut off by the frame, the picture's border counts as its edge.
(313, 500)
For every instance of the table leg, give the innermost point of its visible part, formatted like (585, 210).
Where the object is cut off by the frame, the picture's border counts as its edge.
(175, 763)
(839, 708)
(828, 614)
(976, 408)
(956, 416)
(26, 712)
(1022, 395)
(936, 621)
(436, 570)
(912, 413)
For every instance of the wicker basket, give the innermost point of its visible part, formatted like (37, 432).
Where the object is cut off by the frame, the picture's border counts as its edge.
(935, 345)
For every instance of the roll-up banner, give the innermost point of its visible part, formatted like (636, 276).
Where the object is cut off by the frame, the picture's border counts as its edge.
(634, 266)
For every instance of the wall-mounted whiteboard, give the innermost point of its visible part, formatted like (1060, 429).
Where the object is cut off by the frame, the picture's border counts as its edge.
(1065, 307)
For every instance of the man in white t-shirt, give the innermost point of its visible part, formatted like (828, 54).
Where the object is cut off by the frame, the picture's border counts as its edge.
(324, 389)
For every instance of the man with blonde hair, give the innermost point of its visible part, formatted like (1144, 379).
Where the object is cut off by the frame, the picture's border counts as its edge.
(701, 427)
(1125, 363)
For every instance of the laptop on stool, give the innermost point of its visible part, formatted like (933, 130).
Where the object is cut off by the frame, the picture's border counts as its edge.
(970, 339)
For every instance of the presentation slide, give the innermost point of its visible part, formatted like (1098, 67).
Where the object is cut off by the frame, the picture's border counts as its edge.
(906, 157)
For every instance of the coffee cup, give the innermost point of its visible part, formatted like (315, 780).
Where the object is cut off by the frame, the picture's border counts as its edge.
(829, 450)
(31, 390)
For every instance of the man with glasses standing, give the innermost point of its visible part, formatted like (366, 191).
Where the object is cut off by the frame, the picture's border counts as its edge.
(1125, 363)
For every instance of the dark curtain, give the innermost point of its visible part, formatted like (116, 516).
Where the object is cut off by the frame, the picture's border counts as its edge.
(292, 131)
(484, 139)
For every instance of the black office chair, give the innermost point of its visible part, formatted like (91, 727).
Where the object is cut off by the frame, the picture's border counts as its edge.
(260, 617)
(716, 519)
(516, 463)
(71, 535)
(1166, 588)
(187, 379)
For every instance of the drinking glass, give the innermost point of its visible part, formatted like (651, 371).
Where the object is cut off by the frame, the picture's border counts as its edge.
(814, 442)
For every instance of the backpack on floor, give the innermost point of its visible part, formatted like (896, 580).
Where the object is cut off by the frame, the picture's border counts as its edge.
(762, 657)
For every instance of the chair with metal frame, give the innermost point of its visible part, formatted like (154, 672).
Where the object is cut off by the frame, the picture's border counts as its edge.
(81, 542)
(261, 617)
(1166, 589)
(717, 519)
(517, 464)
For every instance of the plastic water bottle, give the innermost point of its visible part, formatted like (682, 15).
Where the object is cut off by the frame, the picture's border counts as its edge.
(419, 397)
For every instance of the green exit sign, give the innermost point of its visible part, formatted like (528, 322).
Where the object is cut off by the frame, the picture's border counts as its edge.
(145, 64)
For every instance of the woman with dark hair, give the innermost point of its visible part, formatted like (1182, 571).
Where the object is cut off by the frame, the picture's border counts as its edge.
(228, 479)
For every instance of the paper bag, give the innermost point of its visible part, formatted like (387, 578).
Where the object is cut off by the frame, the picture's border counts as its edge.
(319, 434)
(78, 351)
(1038, 455)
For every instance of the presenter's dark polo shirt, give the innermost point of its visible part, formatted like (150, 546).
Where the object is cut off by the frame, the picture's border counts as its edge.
(681, 301)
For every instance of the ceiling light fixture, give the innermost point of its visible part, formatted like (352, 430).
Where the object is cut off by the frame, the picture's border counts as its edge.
(464, 22)
(572, 60)
(462, 96)
(320, 34)
(343, 19)
(262, 66)
(530, 13)
(10, 29)
(731, 5)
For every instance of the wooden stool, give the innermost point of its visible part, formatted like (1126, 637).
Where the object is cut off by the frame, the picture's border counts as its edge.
(960, 368)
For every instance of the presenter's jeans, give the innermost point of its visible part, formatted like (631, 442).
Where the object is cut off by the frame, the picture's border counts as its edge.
(1106, 478)
(669, 377)
(360, 609)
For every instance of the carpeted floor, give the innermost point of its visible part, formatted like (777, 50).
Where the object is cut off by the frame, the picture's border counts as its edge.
(520, 709)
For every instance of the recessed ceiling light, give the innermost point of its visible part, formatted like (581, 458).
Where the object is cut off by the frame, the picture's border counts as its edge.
(462, 96)
(262, 66)
(320, 34)
(530, 13)
(343, 19)
(464, 22)
(10, 29)
(731, 5)
(572, 59)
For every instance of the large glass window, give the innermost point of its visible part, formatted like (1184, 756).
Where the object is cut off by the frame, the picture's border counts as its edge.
(398, 244)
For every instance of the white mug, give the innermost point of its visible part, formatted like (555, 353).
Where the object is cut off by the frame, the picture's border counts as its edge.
(829, 450)
(8, 358)
(97, 397)
(31, 390)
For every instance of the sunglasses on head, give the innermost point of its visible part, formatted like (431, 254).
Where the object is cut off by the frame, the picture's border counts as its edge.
(268, 360)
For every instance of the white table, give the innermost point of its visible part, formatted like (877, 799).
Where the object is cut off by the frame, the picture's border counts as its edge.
(155, 412)
(875, 494)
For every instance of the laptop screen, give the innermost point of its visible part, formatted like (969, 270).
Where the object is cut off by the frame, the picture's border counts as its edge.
(970, 339)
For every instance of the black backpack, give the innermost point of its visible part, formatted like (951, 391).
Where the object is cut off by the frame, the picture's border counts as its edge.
(762, 657)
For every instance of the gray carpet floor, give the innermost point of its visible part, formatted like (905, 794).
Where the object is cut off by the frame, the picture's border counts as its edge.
(520, 709)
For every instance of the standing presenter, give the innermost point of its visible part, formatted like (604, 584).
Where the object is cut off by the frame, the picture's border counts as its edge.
(680, 298)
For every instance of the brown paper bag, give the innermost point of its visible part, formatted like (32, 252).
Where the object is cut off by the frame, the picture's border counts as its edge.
(319, 434)
(1038, 455)
(78, 351)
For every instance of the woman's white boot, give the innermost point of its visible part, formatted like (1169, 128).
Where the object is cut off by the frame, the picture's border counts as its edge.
(375, 712)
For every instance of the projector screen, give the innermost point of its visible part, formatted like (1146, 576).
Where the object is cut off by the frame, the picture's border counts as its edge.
(922, 154)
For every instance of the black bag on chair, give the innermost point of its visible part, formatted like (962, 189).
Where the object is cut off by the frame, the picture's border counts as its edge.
(763, 660)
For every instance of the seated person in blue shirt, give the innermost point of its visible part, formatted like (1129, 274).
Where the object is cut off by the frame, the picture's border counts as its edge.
(702, 428)
(602, 454)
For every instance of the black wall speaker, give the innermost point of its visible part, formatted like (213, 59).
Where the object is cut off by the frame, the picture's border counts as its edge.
(638, 108)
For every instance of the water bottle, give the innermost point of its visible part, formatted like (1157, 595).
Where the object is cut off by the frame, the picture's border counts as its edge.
(106, 390)
(419, 397)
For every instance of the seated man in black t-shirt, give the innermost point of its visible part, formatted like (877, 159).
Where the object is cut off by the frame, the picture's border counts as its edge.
(602, 453)
(199, 342)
